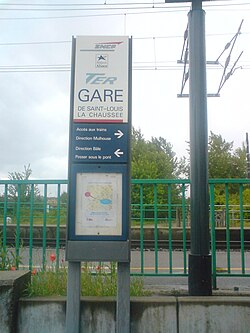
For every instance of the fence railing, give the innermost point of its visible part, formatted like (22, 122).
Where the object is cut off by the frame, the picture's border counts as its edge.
(33, 202)
(163, 206)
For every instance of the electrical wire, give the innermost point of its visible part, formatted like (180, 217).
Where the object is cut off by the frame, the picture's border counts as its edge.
(29, 68)
(66, 67)
(90, 15)
(80, 4)
(35, 43)
(134, 38)
(102, 6)
(105, 7)
(82, 9)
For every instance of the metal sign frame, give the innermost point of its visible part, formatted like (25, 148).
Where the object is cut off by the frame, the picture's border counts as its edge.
(100, 146)
(91, 170)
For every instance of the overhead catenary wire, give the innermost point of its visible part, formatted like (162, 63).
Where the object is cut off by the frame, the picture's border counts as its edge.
(134, 38)
(184, 59)
(157, 65)
(225, 76)
(139, 65)
(105, 4)
(149, 66)
(128, 7)
(230, 73)
(86, 9)
(182, 9)
(184, 42)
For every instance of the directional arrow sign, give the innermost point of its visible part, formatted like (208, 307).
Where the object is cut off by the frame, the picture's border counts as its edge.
(118, 152)
(119, 134)
(100, 143)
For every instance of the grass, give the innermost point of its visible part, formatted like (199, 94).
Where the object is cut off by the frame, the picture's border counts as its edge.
(99, 282)
(9, 260)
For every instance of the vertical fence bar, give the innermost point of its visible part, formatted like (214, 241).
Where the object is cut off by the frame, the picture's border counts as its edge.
(31, 227)
(141, 229)
(183, 208)
(242, 230)
(44, 225)
(18, 225)
(213, 236)
(227, 230)
(170, 230)
(156, 228)
(58, 212)
(5, 216)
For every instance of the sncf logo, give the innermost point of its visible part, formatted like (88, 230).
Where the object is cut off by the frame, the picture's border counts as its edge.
(107, 45)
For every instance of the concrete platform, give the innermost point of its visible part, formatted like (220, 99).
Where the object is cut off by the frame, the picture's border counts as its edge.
(168, 312)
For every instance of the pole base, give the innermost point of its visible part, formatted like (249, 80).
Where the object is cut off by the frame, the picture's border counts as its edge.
(200, 275)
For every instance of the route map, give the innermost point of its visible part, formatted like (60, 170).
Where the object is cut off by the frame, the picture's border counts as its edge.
(100, 197)
(98, 203)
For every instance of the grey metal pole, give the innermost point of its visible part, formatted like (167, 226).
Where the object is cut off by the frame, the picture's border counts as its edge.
(123, 298)
(200, 280)
(73, 297)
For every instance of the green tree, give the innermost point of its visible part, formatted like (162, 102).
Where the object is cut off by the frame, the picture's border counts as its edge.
(154, 159)
(64, 197)
(23, 189)
(240, 163)
(226, 162)
(223, 160)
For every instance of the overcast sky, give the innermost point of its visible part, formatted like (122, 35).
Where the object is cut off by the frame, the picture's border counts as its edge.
(34, 103)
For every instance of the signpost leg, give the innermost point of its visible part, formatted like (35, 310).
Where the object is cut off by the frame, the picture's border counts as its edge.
(123, 298)
(200, 280)
(73, 297)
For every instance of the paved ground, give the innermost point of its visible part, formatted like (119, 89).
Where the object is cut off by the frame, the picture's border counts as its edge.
(234, 284)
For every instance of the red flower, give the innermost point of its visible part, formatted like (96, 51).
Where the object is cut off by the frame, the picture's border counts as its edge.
(12, 268)
(33, 272)
(52, 257)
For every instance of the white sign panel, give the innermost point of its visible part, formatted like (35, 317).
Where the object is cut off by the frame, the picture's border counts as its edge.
(98, 204)
(101, 79)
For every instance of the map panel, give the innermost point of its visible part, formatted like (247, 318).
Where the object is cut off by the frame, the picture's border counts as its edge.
(99, 204)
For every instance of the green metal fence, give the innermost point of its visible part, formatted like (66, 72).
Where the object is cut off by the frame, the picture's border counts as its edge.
(161, 206)
(32, 202)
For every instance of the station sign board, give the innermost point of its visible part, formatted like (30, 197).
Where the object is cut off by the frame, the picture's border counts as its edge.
(99, 149)
(101, 83)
